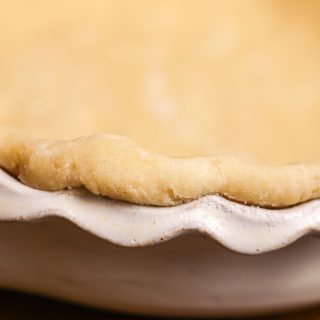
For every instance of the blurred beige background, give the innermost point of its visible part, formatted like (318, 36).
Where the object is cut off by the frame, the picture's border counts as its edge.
(178, 77)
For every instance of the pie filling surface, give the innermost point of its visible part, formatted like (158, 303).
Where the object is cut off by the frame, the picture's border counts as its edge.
(220, 97)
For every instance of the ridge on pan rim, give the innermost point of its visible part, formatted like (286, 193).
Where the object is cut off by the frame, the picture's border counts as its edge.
(240, 228)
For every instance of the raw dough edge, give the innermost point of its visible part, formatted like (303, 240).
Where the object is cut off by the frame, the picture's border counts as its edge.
(116, 167)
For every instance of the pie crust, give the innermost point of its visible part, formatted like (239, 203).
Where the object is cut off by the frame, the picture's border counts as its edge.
(184, 80)
(116, 167)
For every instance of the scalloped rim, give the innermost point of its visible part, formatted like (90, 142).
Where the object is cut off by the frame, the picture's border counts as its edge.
(241, 228)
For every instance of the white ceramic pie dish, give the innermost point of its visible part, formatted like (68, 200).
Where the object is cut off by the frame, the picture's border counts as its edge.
(68, 253)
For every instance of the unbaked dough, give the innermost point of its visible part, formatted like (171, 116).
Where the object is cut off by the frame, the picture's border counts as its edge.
(116, 167)
(180, 78)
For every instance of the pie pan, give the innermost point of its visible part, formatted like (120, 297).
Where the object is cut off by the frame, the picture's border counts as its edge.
(209, 257)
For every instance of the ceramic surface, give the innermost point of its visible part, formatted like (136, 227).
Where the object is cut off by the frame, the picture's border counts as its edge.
(54, 243)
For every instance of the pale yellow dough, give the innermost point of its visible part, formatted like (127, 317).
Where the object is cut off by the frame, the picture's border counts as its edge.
(187, 78)
(116, 167)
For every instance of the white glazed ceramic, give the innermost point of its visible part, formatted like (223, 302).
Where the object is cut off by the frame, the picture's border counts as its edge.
(66, 252)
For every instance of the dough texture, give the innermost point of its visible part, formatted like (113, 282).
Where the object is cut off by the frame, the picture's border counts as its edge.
(116, 167)
(183, 79)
